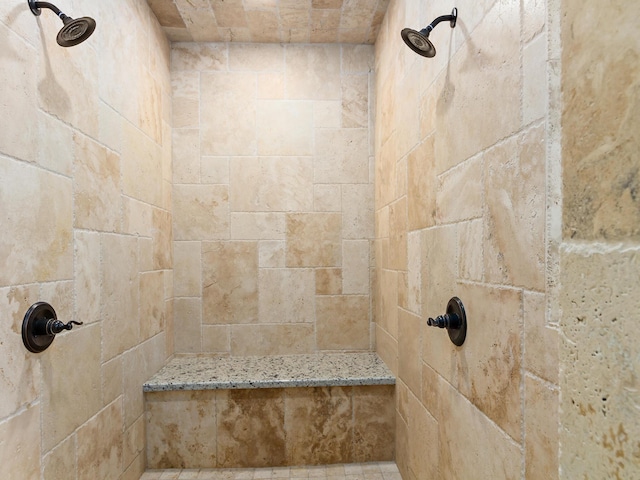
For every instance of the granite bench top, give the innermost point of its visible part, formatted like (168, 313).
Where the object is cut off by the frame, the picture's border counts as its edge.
(275, 371)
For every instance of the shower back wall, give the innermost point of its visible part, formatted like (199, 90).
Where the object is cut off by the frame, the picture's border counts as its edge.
(273, 197)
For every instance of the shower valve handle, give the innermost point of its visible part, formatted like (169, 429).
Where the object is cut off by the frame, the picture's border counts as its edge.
(448, 320)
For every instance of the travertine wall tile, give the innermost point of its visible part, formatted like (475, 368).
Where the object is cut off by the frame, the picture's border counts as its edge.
(342, 322)
(541, 430)
(286, 295)
(186, 155)
(355, 272)
(313, 240)
(20, 458)
(284, 127)
(100, 444)
(201, 212)
(280, 339)
(180, 428)
(188, 269)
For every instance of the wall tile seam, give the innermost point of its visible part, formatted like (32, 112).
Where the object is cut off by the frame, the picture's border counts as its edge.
(35, 164)
(587, 248)
(550, 385)
(24, 407)
(513, 288)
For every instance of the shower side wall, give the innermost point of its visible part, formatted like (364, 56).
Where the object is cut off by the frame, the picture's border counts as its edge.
(273, 197)
(465, 206)
(85, 208)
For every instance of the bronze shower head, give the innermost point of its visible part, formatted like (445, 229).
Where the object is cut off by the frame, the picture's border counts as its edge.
(419, 41)
(74, 31)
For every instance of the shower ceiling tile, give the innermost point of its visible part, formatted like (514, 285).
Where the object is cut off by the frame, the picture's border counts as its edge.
(270, 21)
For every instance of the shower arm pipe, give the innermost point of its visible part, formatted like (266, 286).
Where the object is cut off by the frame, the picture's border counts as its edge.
(36, 6)
(443, 18)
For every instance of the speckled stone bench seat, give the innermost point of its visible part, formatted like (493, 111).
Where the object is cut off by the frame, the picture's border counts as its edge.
(230, 412)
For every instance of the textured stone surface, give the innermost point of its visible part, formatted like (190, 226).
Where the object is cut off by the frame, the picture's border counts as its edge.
(600, 123)
(599, 362)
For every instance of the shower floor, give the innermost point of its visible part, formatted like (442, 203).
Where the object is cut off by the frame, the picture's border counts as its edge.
(357, 471)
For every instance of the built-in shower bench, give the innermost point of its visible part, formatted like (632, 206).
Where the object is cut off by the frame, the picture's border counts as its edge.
(226, 412)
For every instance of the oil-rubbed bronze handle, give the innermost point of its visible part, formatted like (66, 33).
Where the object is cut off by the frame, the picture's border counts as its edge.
(41, 325)
(455, 321)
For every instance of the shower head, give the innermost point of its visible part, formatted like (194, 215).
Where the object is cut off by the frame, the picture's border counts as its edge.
(74, 31)
(419, 41)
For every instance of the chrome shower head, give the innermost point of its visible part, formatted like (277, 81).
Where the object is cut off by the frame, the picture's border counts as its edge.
(419, 41)
(74, 31)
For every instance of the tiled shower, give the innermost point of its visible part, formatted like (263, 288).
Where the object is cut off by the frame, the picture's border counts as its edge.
(326, 190)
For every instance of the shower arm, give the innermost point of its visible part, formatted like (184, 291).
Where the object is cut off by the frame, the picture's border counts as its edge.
(36, 6)
(443, 18)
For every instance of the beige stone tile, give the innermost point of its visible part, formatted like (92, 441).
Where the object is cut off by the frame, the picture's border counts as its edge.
(284, 127)
(199, 56)
(229, 15)
(342, 322)
(357, 211)
(20, 372)
(541, 430)
(496, 350)
(534, 17)
(151, 304)
(150, 110)
(134, 441)
(187, 321)
(327, 113)
(388, 300)
(61, 461)
(409, 354)
(271, 184)
(35, 254)
(341, 156)
(271, 254)
(66, 384)
(600, 126)
(358, 58)
(485, 100)
(355, 101)
(250, 427)
(470, 250)
(187, 269)
(272, 339)
(327, 198)
(373, 423)
(271, 86)
(100, 450)
(387, 349)
(541, 343)
(136, 469)
(324, 25)
(70, 94)
(201, 212)
(382, 222)
(535, 97)
(216, 338)
(257, 226)
(421, 183)
(20, 458)
(462, 432)
(228, 108)
(328, 281)
(120, 294)
(141, 165)
(55, 145)
(186, 155)
(313, 72)
(431, 386)
(87, 266)
(264, 26)
(355, 267)
(423, 431)
(230, 282)
(214, 170)
(402, 447)
(598, 360)
(256, 57)
(414, 272)
(398, 235)
(286, 295)
(314, 239)
(439, 269)
(319, 425)
(181, 429)
(162, 238)
(460, 192)
(136, 217)
(515, 195)
(111, 380)
(18, 100)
